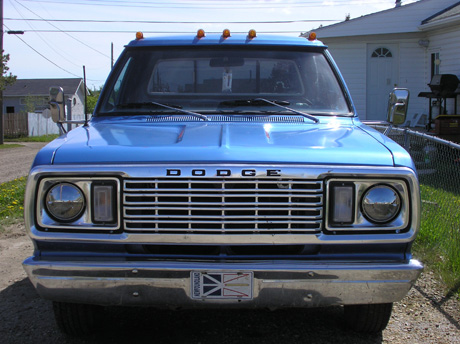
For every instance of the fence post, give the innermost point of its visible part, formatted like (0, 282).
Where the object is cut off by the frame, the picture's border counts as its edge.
(406, 140)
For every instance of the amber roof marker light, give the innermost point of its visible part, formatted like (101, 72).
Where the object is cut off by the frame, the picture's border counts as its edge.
(312, 36)
(200, 34)
(139, 35)
(252, 34)
(226, 33)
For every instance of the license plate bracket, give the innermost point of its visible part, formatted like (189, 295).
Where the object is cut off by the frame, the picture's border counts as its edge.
(221, 285)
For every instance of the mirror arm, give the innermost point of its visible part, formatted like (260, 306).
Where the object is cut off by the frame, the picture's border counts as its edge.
(61, 127)
(388, 129)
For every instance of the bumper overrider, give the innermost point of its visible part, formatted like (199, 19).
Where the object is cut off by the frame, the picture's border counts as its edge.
(272, 284)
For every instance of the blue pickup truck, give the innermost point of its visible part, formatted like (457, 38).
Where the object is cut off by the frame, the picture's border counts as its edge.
(223, 170)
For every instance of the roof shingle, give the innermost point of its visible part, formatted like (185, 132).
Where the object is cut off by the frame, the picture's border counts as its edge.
(40, 87)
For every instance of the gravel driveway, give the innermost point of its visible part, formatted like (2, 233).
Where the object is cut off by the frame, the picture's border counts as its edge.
(16, 162)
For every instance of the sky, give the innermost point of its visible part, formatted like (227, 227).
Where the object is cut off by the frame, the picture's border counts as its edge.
(62, 36)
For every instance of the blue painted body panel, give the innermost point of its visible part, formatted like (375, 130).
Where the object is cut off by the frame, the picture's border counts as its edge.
(128, 140)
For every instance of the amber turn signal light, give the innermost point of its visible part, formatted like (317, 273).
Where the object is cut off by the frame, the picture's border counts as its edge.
(252, 34)
(200, 33)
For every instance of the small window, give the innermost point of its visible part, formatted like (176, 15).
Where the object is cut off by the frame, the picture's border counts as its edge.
(10, 109)
(382, 52)
(435, 62)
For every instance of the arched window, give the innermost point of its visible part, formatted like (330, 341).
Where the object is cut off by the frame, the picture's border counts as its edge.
(382, 52)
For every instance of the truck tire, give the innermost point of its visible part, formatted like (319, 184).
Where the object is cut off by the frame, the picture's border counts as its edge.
(77, 320)
(370, 318)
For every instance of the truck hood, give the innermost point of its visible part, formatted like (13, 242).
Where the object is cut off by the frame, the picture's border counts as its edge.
(117, 141)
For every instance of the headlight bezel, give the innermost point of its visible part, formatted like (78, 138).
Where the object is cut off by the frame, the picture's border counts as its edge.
(85, 220)
(362, 223)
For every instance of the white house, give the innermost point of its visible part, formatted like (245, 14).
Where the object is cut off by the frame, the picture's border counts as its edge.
(32, 96)
(400, 47)
(36, 91)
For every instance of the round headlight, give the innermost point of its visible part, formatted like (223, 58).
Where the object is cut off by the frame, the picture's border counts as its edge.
(65, 202)
(381, 204)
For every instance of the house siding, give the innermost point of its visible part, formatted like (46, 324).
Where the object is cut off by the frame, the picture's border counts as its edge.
(412, 74)
(350, 58)
(403, 19)
(403, 27)
(447, 42)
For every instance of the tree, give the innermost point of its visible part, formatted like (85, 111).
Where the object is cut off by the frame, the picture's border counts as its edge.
(92, 99)
(32, 102)
(6, 79)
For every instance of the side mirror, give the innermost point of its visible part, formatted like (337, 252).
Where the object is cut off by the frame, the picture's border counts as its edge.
(398, 103)
(57, 105)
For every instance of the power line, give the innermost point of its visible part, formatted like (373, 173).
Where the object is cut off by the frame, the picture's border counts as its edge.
(66, 33)
(174, 22)
(205, 5)
(40, 36)
(152, 32)
(47, 59)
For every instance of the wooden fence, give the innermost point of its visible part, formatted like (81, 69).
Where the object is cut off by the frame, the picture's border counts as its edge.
(15, 125)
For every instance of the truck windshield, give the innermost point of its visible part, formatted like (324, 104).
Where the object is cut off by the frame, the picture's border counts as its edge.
(219, 80)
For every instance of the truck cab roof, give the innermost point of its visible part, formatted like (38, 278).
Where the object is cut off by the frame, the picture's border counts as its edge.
(219, 39)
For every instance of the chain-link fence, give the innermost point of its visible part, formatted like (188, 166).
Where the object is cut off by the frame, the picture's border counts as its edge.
(438, 166)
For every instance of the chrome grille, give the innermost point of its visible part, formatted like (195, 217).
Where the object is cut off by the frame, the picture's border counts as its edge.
(194, 205)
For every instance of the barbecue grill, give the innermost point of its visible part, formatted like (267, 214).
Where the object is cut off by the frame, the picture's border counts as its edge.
(442, 86)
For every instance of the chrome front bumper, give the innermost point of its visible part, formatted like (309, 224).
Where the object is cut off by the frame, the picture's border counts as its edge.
(168, 283)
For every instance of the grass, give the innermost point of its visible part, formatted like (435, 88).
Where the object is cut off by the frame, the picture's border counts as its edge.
(438, 243)
(12, 201)
(44, 138)
(6, 146)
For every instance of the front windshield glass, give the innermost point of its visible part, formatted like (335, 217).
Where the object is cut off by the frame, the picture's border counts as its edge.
(221, 80)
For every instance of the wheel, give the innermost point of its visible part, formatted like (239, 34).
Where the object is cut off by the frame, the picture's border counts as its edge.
(77, 319)
(370, 318)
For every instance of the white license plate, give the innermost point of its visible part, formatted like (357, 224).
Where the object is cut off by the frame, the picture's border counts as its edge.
(221, 285)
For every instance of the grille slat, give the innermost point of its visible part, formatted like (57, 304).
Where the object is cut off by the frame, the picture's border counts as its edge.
(226, 217)
(218, 194)
(225, 206)
(201, 204)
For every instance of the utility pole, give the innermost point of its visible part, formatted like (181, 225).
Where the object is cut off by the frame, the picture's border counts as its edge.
(1, 92)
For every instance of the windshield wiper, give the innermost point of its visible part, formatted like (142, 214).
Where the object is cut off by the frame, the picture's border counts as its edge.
(258, 101)
(166, 106)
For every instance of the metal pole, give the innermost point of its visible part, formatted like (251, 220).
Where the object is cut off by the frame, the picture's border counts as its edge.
(1, 92)
(86, 97)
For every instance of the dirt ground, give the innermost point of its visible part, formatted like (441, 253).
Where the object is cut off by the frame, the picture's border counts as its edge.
(429, 314)
(16, 162)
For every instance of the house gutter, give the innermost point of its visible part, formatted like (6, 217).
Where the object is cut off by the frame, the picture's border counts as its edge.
(440, 23)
